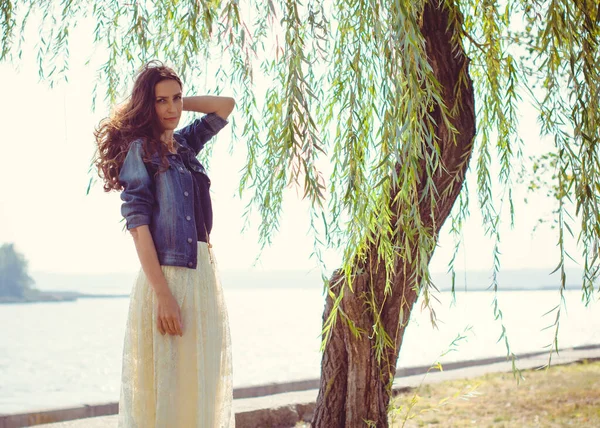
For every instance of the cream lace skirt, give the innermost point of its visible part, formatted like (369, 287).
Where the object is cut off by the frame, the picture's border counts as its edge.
(178, 381)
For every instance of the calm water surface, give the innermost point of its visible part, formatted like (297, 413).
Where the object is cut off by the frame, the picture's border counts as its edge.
(63, 354)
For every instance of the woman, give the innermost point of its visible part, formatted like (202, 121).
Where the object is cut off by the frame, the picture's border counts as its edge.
(177, 356)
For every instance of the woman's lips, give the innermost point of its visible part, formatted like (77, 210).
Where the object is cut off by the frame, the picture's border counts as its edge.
(171, 118)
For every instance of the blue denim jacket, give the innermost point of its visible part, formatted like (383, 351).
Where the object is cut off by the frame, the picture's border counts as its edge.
(165, 202)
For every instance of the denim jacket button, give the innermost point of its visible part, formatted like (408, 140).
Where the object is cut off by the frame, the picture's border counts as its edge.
(186, 194)
(190, 240)
(188, 218)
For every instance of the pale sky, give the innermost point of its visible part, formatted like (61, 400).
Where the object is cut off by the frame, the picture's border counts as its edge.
(47, 144)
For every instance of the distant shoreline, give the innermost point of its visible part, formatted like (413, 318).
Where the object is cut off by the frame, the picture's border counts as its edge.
(569, 287)
(56, 296)
(38, 296)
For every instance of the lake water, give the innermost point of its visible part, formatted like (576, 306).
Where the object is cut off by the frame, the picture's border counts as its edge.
(64, 354)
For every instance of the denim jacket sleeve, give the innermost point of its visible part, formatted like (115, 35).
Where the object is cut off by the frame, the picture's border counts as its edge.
(137, 194)
(201, 130)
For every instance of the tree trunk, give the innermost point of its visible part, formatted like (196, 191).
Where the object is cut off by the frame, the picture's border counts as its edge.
(355, 388)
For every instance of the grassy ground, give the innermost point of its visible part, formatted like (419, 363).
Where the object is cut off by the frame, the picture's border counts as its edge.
(562, 396)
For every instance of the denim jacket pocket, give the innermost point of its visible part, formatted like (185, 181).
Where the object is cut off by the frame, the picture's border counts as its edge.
(194, 164)
(155, 165)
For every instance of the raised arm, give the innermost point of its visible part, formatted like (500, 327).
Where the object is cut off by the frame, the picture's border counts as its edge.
(222, 106)
(216, 110)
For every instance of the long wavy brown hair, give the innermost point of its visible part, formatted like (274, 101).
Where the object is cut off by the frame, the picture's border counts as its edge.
(133, 119)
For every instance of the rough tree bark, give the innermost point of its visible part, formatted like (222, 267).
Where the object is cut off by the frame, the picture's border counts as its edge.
(354, 387)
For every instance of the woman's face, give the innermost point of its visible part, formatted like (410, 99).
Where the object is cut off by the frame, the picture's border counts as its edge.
(168, 103)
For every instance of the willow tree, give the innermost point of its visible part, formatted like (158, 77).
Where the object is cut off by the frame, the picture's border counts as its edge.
(388, 95)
